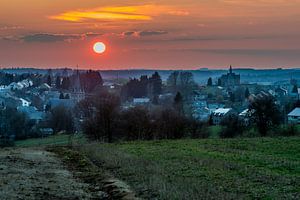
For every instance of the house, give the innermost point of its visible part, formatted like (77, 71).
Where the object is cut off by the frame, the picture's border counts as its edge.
(24, 102)
(294, 116)
(219, 114)
(214, 106)
(280, 92)
(20, 85)
(45, 87)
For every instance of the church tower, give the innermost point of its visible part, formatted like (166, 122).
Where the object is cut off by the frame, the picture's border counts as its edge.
(230, 70)
(78, 93)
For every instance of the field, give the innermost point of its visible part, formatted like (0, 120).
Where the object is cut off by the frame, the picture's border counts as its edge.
(263, 168)
(55, 140)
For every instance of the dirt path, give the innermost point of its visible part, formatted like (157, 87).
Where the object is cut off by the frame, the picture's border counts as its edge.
(37, 174)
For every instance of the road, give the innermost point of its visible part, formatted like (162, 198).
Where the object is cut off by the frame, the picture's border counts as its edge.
(37, 174)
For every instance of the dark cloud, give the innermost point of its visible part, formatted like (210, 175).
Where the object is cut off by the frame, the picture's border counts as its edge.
(150, 33)
(250, 52)
(143, 33)
(128, 33)
(230, 37)
(47, 37)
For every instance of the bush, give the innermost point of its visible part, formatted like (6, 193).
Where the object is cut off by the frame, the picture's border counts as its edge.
(197, 129)
(136, 124)
(285, 130)
(251, 132)
(7, 141)
(232, 127)
(169, 124)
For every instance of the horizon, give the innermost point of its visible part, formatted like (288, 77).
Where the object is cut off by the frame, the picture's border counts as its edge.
(149, 69)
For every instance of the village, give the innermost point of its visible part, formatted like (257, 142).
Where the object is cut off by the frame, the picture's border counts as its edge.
(36, 96)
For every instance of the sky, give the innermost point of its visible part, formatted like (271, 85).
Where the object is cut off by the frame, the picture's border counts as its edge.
(150, 34)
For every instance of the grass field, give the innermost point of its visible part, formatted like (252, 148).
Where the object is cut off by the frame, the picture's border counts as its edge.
(261, 168)
(55, 140)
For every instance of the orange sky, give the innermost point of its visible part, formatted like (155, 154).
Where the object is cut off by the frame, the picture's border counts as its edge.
(164, 34)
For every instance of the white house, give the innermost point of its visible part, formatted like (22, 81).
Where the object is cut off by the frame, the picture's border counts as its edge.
(25, 103)
(294, 116)
(219, 114)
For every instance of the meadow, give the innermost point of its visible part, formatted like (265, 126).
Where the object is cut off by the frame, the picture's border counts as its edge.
(260, 168)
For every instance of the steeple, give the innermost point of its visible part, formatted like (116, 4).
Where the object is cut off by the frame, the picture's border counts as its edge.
(77, 86)
(230, 69)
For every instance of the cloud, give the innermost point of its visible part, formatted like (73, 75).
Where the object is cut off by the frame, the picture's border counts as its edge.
(135, 13)
(10, 27)
(150, 33)
(48, 37)
(143, 33)
(228, 37)
(250, 52)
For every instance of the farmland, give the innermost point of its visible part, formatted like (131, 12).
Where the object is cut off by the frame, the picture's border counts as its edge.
(267, 168)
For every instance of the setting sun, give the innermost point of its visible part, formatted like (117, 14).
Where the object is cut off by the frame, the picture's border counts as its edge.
(99, 47)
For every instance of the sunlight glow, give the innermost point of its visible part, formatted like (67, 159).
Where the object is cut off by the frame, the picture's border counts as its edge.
(99, 47)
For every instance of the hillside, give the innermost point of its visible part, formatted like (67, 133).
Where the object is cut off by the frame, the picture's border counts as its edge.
(258, 168)
(267, 168)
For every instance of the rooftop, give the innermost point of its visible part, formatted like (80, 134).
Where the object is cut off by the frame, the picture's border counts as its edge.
(222, 111)
(295, 112)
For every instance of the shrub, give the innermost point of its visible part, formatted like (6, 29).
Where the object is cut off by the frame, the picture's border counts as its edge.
(232, 127)
(285, 130)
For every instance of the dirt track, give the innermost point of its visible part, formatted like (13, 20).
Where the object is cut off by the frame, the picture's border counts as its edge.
(37, 174)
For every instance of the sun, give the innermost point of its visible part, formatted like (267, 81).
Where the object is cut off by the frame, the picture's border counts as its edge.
(99, 47)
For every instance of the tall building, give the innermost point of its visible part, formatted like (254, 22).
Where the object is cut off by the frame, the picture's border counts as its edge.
(229, 79)
(77, 93)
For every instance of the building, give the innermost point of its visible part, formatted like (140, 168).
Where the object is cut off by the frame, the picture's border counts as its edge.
(294, 116)
(229, 79)
(219, 114)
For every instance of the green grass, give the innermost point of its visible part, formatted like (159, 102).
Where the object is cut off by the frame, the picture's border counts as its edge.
(214, 131)
(259, 168)
(55, 140)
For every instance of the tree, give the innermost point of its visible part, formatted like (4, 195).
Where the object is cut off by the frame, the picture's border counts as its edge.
(90, 80)
(209, 82)
(178, 103)
(247, 93)
(264, 112)
(219, 82)
(172, 80)
(136, 124)
(295, 89)
(58, 82)
(67, 96)
(103, 122)
(61, 96)
(66, 83)
(170, 124)
(61, 119)
(49, 81)
(232, 127)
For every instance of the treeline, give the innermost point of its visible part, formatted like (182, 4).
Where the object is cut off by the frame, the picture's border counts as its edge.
(264, 118)
(106, 121)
